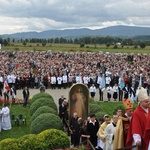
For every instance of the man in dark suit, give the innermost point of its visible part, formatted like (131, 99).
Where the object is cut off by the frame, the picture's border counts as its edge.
(72, 122)
(62, 111)
(92, 129)
(25, 96)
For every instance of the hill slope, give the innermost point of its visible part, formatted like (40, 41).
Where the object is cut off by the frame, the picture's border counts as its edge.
(119, 31)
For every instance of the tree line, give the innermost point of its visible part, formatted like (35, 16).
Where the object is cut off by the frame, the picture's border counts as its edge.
(108, 41)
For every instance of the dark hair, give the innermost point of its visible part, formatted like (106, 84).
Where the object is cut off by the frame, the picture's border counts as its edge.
(92, 115)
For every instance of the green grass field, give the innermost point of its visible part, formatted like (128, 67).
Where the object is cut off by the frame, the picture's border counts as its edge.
(74, 48)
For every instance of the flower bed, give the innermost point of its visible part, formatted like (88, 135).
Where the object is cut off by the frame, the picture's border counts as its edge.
(2, 101)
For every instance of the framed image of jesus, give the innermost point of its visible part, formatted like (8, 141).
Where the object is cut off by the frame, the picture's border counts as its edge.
(79, 100)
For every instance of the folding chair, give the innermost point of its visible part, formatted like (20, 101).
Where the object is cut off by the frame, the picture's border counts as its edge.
(22, 118)
(14, 119)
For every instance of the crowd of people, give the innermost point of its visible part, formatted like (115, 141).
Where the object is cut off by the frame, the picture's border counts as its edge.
(122, 130)
(62, 69)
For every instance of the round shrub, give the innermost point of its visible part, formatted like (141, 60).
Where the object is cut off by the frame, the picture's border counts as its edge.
(42, 102)
(41, 95)
(46, 121)
(43, 109)
(43, 99)
(29, 141)
(95, 108)
(9, 144)
(54, 139)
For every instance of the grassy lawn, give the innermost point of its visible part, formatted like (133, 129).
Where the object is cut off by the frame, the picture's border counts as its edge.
(74, 48)
(17, 131)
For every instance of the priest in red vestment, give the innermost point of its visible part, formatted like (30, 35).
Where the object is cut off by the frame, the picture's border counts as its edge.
(140, 122)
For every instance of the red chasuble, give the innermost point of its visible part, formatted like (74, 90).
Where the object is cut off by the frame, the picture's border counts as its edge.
(147, 132)
(125, 128)
(138, 126)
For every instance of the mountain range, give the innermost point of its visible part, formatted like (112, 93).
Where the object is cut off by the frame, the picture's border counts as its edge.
(114, 31)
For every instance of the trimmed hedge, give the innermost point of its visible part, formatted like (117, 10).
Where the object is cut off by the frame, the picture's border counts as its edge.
(95, 108)
(46, 140)
(54, 139)
(29, 141)
(43, 109)
(46, 121)
(42, 102)
(9, 144)
(41, 95)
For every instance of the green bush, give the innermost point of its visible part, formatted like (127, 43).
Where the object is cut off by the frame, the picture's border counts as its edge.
(41, 95)
(29, 141)
(46, 121)
(42, 102)
(43, 109)
(9, 144)
(95, 108)
(48, 139)
(54, 139)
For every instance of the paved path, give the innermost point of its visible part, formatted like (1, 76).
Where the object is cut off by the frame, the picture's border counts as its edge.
(55, 93)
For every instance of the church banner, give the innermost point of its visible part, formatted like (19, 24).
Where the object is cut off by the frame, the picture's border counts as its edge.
(79, 100)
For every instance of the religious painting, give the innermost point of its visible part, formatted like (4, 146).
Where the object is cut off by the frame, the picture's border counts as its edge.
(79, 100)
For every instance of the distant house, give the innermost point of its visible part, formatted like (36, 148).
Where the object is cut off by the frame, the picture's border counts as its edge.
(118, 43)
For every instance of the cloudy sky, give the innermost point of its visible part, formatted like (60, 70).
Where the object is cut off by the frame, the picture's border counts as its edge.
(40, 15)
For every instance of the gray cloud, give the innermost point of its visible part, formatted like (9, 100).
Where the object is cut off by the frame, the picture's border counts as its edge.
(37, 15)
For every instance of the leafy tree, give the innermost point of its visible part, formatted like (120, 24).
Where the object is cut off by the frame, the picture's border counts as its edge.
(135, 46)
(43, 44)
(56, 40)
(8, 39)
(115, 46)
(128, 41)
(82, 45)
(142, 45)
(107, 45)
(1, 40)
(5, 42)
(76, 41)
(24, 43)
(27, 40)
